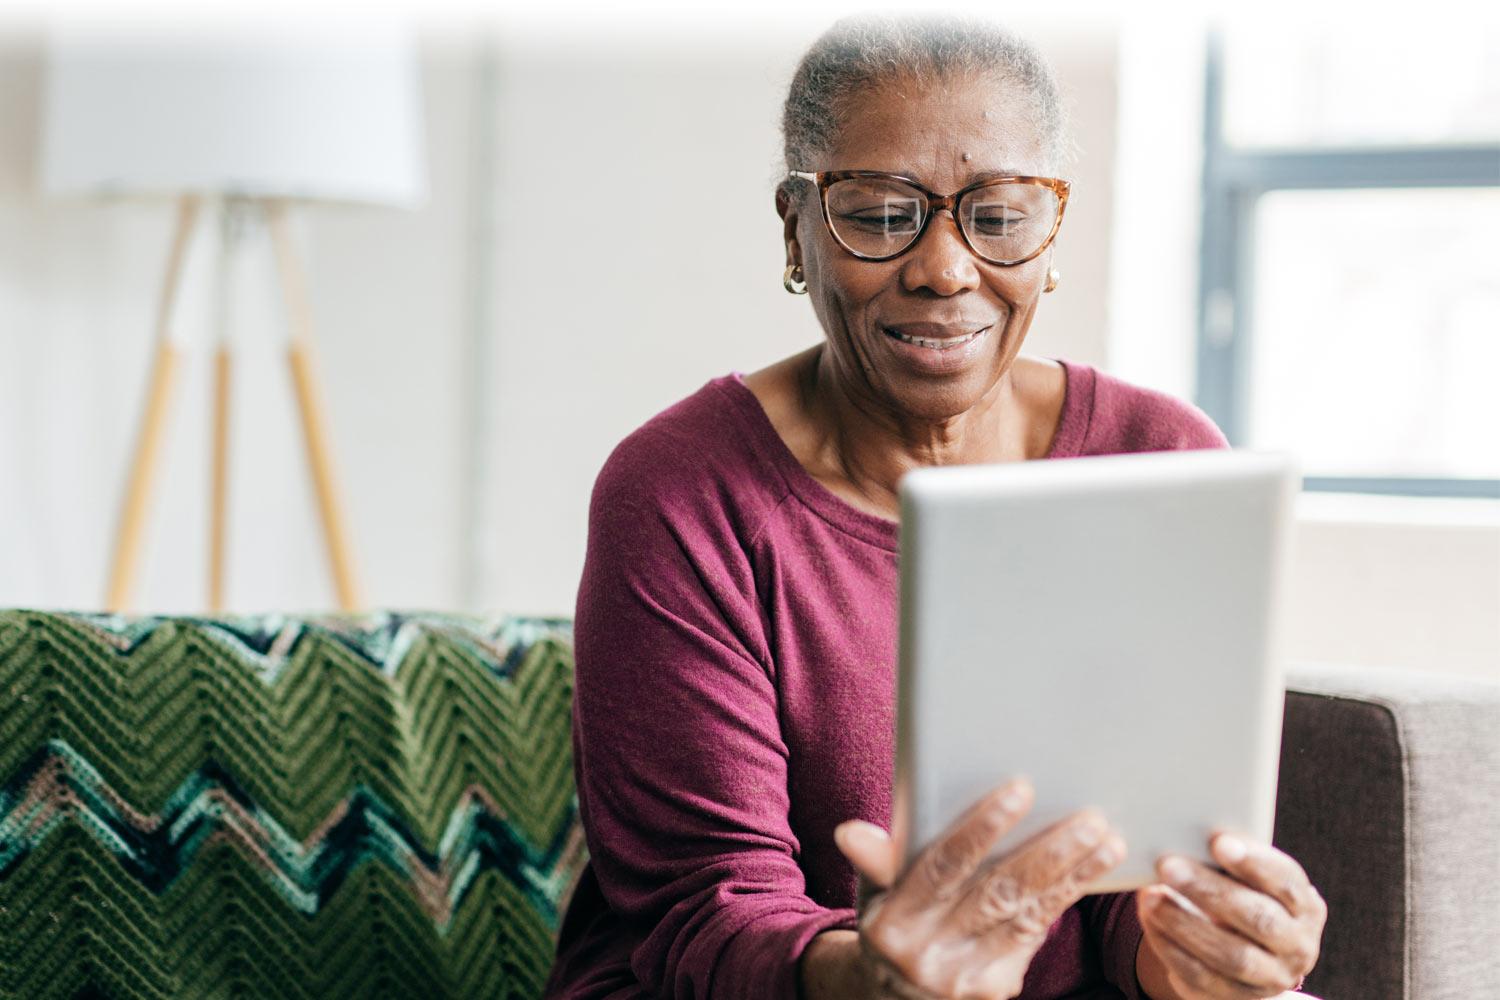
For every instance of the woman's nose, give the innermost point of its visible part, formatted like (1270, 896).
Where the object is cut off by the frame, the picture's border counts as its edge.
(941, 261)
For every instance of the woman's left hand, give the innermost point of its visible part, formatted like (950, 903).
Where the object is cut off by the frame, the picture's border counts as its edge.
(1249, 932)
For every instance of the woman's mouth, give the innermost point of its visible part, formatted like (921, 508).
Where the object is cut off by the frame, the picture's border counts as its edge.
(932, 349)
(935, 343)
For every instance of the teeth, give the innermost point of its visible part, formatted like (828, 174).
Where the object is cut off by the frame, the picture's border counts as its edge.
(941, 345)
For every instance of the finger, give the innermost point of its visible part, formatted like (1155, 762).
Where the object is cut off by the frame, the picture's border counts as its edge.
(870, 849)
(1263, 867)
(868, 896)
(1024, 892)
(945, 865)
(1069, 889)
(1220, 951)
(1259, 917)
(1056, 851)
(1107, 856)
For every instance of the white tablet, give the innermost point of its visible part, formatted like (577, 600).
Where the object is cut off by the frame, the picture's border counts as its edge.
(1105, 627)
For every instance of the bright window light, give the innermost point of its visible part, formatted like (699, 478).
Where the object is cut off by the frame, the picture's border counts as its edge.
(1376, 331)
(1389, 81)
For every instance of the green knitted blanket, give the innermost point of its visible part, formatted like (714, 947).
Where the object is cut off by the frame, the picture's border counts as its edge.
(371, 805)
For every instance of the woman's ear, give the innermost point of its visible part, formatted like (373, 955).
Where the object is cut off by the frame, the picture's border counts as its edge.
(1053, 275)
(787, 209)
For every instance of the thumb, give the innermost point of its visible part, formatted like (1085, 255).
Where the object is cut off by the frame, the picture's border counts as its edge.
(870, 849)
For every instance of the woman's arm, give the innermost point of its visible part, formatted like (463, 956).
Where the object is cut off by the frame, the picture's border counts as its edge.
(682, 770)
(831, 970)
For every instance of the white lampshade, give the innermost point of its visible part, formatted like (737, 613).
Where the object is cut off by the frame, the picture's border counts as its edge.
(260, 117)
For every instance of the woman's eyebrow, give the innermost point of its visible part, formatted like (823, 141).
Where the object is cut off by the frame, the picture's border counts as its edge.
(989, 175)
(973, 178)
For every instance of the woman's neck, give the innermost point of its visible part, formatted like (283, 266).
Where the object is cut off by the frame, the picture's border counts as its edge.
(866, 448)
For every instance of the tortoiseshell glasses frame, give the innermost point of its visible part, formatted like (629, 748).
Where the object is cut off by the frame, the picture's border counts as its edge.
(824, 179)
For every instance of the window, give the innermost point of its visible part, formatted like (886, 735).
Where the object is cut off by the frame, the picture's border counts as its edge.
(1349, 308)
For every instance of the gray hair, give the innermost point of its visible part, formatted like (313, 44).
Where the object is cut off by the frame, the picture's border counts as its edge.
(861, 51)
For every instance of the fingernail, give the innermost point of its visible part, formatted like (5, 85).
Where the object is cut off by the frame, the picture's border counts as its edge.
(1089, 830)
(849, 830)
(1175, 870)
(1231, 850)
(1014, 797)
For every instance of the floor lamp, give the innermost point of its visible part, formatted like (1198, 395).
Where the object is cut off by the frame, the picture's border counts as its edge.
(255, 127)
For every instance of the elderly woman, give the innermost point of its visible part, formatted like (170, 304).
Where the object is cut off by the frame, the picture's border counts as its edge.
(736, 619)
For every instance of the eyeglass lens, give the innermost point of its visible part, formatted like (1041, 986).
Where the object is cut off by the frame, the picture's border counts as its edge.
(877, 217)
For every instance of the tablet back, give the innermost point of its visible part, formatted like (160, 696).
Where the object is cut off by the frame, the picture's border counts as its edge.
(1104, 626)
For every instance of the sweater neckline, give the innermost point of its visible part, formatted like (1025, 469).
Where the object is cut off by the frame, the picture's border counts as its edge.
(1067, 442)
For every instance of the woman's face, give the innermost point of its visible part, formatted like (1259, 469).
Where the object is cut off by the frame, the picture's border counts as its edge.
(945, 135)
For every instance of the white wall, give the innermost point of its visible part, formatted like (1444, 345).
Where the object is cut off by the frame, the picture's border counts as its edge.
(601, 325)
(1397, 582)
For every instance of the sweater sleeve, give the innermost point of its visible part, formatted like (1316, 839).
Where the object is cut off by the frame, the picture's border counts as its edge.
(1130, 418)
(682, 769)
(1114, 924)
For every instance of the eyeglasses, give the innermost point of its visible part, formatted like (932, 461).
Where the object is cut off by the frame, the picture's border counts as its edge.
(877, 216)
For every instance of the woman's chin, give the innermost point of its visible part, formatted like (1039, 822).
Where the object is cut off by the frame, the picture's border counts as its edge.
(937, 402)
(940, 385)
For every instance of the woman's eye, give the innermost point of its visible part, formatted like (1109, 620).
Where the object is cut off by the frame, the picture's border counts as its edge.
(883, 220)
(998, 224)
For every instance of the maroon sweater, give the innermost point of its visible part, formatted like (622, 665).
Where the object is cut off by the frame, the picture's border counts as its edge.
(736, 655)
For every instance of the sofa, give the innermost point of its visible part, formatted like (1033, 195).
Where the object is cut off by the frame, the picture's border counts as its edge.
(294, 807)
(381, 805)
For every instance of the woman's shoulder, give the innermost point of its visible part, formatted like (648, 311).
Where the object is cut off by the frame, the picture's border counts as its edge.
(701, 455)
(1124, 417)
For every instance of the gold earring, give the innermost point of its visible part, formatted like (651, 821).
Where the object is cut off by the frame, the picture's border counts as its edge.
(792, 280)
(1053, 277)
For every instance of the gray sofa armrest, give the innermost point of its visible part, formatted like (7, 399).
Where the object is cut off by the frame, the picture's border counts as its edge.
(1389, 795)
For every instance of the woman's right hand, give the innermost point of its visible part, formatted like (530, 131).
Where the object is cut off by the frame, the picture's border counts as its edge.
(956, 925)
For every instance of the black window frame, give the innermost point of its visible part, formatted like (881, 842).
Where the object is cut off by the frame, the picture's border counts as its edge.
(1233, 181)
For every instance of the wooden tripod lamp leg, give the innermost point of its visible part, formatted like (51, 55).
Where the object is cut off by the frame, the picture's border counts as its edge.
(314, 425)
(158, 401)
(223, 373)
(235, 215)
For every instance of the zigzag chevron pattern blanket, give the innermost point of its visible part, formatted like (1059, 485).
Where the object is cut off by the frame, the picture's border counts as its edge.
(371, 805)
